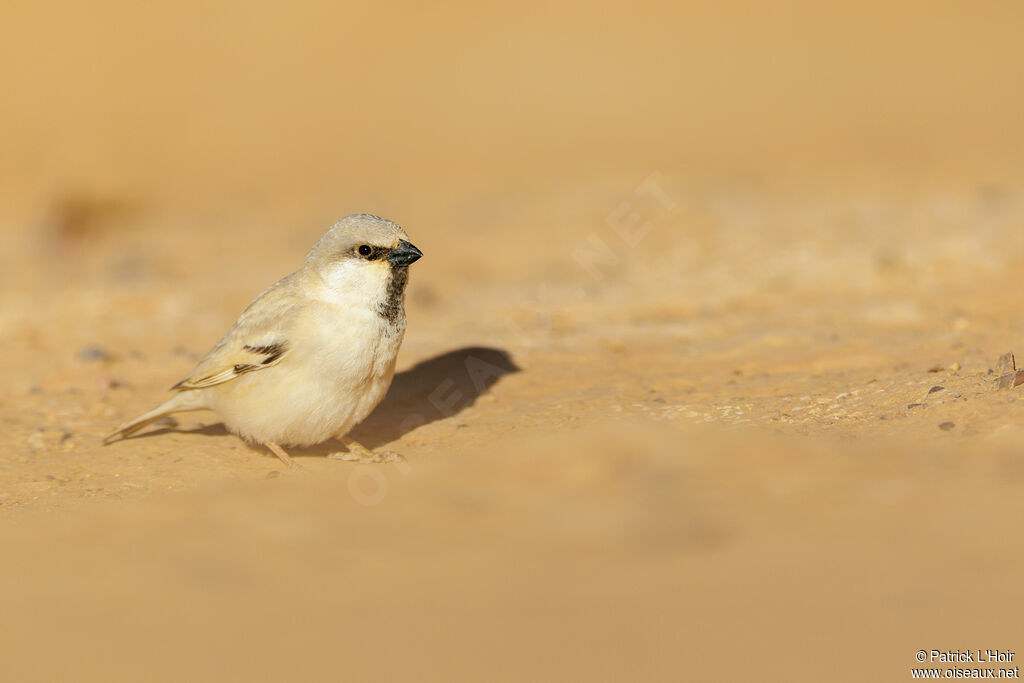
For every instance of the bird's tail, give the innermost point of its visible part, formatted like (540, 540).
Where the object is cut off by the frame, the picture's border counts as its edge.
(179, 403)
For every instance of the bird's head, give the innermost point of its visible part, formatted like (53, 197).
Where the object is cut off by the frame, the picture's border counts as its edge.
(364, 258)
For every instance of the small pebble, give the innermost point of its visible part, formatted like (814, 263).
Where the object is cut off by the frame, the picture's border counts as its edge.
(108, 383)
(935, 388)
(1006, 363)
(1010, 380)
(946, 426)
(94, 353)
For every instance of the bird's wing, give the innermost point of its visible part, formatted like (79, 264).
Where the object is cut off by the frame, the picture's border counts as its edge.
(258, 340)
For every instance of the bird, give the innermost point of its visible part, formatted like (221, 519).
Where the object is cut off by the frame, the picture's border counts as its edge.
(314, 353)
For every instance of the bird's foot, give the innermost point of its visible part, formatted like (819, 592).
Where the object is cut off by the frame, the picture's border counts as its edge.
(359, 453)
(284, 457)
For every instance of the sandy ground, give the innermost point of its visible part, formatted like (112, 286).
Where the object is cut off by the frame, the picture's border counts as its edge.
(700, 379)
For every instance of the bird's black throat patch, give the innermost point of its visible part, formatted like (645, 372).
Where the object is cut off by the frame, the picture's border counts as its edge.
(391, 308)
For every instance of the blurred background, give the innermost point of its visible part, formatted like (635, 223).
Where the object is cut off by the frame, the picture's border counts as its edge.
(193, 106)
(668, 393)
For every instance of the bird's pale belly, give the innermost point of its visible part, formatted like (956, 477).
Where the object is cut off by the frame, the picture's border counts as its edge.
(318, 396)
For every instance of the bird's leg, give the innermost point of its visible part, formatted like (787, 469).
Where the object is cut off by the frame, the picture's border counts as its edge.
(285, 458)
(357, 452)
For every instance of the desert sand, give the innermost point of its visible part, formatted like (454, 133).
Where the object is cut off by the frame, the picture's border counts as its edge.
(701, 373)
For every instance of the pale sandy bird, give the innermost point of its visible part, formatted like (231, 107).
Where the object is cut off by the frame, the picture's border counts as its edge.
(312, 355)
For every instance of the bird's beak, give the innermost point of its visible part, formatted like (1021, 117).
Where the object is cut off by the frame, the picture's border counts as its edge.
(404, 254)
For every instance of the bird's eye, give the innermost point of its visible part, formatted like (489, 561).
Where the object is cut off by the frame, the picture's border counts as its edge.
(364, 250)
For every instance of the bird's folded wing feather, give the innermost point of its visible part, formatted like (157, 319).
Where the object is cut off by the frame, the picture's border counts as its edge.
(257, 341)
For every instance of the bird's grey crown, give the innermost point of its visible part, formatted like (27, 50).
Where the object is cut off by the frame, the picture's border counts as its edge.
(353, 230)
(370, 218)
